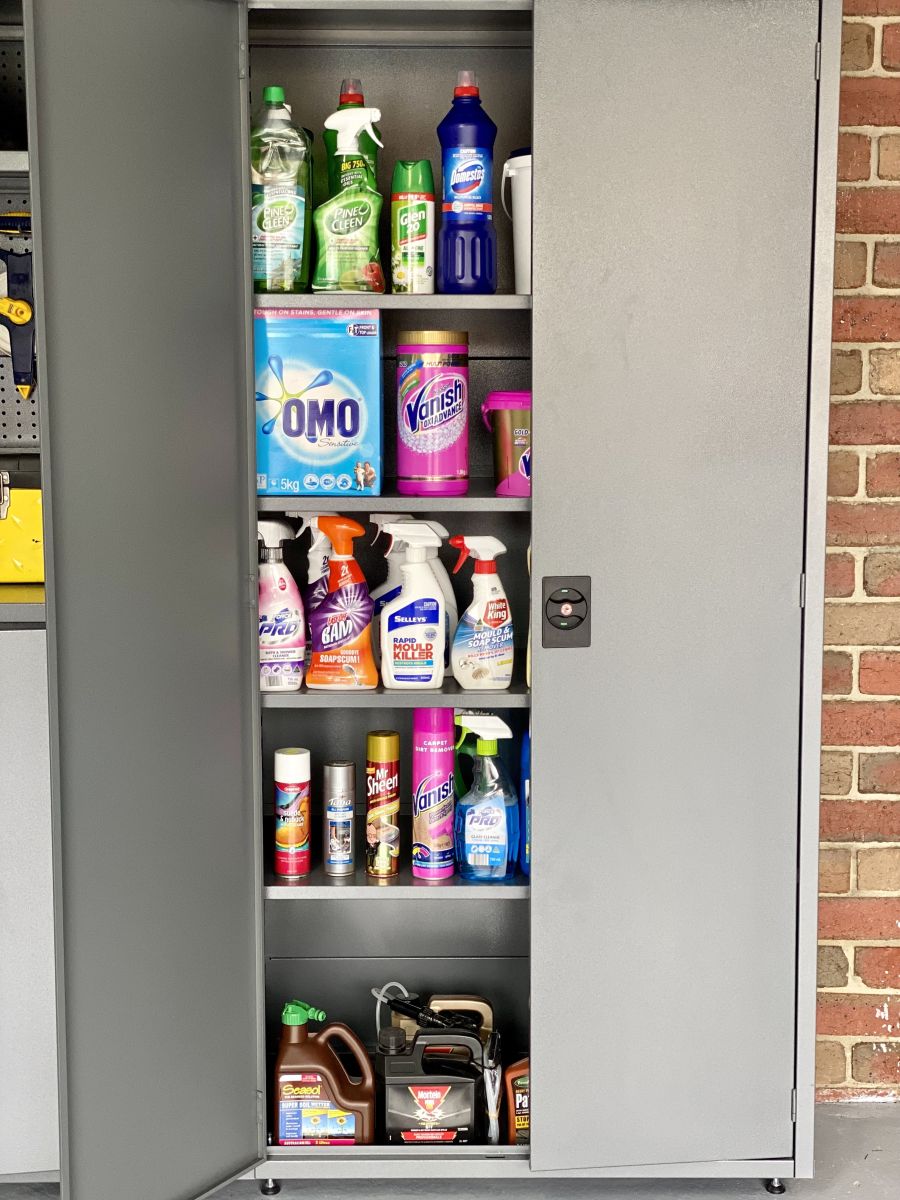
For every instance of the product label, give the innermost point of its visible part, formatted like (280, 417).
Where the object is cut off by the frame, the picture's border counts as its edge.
(382, 807)
(338, 812)
(348, 244)
(278, 214)
(307, 1115)
(412, 641)
(282, 637)
(432, 809)
(429, 1112)
(468, 183)
(412, 242)
(483, 649)
(486, 835)
(433, 416)
(292, 829)
(521, 1109)
(339, 630)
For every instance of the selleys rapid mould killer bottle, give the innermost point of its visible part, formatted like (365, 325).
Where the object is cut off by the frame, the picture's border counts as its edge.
(481, 656)
(282, 625)
(351, 96)
(391, 587)
(292, 860)
(467, 244)
(433, 795)
(339, 812)
(280, 190)
(414, 623)
(412, 227)
(433, 412)
(340, 626)
(382, 803)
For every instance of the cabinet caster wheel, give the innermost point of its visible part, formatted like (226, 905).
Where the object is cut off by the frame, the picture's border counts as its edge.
(775, 1187)
(269, 1187)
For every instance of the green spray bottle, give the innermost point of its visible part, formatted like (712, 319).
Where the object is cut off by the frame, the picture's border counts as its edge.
(348, 258)
(351, 97)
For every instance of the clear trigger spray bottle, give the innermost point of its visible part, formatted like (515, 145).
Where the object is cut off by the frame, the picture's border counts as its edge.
(486, 828)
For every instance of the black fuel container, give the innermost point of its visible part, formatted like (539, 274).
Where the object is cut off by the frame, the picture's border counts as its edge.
(432, 1091)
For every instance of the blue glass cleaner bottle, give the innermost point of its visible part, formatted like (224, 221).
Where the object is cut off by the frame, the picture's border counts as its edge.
(467, 244)
(486, 824)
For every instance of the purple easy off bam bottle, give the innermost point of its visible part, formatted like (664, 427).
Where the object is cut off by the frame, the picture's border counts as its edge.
(467, 245)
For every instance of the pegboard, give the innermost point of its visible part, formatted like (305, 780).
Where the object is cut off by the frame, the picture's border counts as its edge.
(12, 95)
(19, 430)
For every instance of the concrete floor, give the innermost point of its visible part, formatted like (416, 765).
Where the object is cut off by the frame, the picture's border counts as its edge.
(857, 1156)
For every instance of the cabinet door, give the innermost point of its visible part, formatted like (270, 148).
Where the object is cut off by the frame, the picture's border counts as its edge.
(137, 126)
(672, 266)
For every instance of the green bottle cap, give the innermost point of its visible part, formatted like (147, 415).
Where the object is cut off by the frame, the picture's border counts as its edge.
(295, 1012)
(412, 175)
(485, 746)
(273, 95)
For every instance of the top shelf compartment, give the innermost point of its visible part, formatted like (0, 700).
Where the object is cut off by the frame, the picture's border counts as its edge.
(387, 300)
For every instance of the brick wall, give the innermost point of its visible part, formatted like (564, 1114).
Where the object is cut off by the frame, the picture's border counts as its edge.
(858, 1051)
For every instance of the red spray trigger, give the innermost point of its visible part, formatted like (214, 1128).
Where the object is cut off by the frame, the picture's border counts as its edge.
(460, 544)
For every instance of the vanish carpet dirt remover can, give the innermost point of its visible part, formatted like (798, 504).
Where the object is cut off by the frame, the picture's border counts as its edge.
(433, 413)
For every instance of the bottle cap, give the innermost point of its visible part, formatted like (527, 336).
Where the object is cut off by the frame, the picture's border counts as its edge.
(466, 84)
(412, 175)
(292, 765)
(433, 722)
(295, 1012)
(432, 337)
(392, 1039)
(273, 95)
(351, 92)
(338, 779)
(485, 746)
(383, 745)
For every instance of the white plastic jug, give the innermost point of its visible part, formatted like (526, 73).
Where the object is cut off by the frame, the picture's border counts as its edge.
(518, 169)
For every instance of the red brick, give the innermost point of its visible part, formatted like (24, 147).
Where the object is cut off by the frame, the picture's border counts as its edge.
(843, 473)
(889, 156)
(861, 723)
(879, 673)
(853, 917)
(886, 269)
(879, 774)
(878, 869)
(862, 624)
(849, 264)
(868, 210)
(863, 524)
(865, 423)
(871, 101)
(867, 318)
(832, 968)
(846, 372)
(834, 875)
(881, 574)
(884, 371)
(890, 48)
(878, 966)
(840, 575)
(841, 1014)
(837, 673)
(876, 1064)
(859, 821)
(854, 157)
(857, 46)
(883, 475)
(871, 8)
(831, 1063)
(836, 772)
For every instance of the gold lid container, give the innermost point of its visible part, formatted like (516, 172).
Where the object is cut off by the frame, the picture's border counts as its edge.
(432, 337)
(383, 745)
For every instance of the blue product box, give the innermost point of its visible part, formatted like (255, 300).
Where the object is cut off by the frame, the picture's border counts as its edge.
(319, 429)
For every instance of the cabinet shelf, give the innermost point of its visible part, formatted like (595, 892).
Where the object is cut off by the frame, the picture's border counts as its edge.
(358, 886)
(451, 695)
(389, 301)
(13, 162)
(481, 498)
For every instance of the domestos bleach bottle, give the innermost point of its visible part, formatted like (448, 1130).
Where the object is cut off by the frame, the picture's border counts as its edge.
(340, 627)
(467, 245)
(487, 817)
(433, 795)
(413, 624)
(282, 627)
(482, 653)
(433, 413)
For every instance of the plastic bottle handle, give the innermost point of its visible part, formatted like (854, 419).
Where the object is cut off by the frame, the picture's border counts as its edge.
(343, 1033)
(488, 405)
(507, 174)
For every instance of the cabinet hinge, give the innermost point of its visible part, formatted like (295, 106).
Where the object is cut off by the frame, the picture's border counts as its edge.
(244, 61)
(794, 1105)
(803, 591)
(818, 60)
(260, 1110)
(252, 591)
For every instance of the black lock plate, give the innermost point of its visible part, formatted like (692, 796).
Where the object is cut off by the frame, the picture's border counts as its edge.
(566, 617)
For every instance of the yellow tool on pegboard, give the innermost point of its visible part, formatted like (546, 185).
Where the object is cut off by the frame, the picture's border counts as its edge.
(21, 533)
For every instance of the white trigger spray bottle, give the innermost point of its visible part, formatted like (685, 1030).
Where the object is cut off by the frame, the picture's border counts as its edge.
(481, 657)
(391, 586)
(413, 624)
(282, 626)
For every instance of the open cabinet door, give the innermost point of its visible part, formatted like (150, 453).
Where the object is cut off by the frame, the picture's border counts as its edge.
(137, 127)
(672, 274)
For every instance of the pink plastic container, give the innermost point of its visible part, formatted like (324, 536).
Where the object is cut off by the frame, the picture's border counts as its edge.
(508, 416)
(433, 413)
(433, 803)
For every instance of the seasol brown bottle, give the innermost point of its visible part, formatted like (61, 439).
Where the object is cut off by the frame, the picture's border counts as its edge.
(316, 1101)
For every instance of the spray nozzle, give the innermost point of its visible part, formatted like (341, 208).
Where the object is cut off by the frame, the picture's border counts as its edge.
(295, 1012)
(340, 531)
(487, 727)
(482, 549)
(350, 123)
(380, 520)
(415, 535)
(273, 533)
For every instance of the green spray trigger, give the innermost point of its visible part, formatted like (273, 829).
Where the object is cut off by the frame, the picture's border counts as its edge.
(296, 1012)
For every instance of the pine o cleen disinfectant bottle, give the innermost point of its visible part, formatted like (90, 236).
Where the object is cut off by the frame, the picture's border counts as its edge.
(481, 657)
(413, 624)
(487, 817)
(340, 627)
(282, 625)
(280, 188)
(351, 96)
(467, 244)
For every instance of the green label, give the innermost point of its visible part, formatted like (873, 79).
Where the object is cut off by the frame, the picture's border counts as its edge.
(348, 218)
(412, 244)
(277, 219)
(411, 222)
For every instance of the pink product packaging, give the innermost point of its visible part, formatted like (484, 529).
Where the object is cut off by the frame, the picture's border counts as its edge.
(433, 413)
(508, 416)
(433, 798)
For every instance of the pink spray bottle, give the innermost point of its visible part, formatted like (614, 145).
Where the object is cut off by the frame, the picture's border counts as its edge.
(433, 796)
(282, 626)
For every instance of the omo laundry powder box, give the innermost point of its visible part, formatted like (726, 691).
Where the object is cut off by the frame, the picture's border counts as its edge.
(318, 401)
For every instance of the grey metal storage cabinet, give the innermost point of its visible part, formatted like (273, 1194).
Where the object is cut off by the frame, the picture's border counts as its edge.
(678, 343)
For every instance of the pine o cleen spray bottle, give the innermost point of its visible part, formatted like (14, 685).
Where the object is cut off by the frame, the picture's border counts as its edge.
(282, 626)
(482, 654)
(341, 626)
(486, 828)
(413, 624)
(433, 794)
